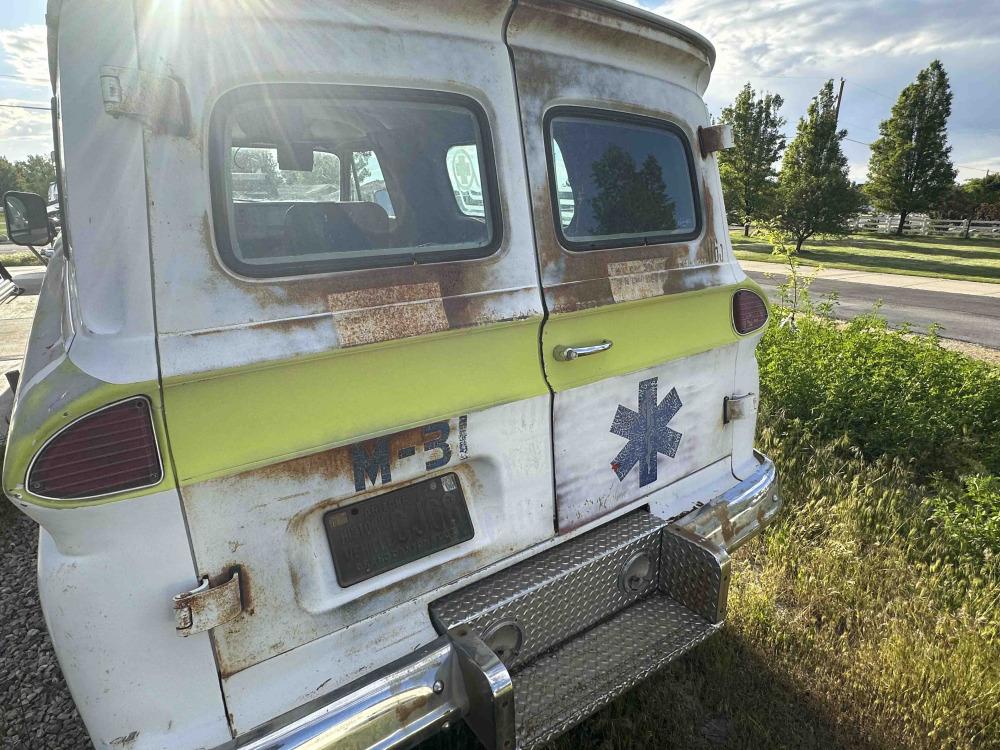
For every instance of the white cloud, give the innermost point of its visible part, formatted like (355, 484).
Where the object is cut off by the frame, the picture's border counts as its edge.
(25, 68)
(792, 46)
(24, 131)
(25, 51)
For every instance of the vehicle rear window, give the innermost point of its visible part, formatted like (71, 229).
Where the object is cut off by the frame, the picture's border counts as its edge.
(620, 181)
(309, 179)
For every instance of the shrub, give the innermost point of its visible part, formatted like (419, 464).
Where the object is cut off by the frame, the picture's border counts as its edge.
(888, 393)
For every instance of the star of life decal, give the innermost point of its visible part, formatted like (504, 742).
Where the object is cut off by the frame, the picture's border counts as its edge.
(647, 433)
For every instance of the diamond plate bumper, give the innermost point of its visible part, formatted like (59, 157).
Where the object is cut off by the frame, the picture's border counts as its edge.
(574, 626)
(579, 629)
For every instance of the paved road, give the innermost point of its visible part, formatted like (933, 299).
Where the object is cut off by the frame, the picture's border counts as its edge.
(965, 317)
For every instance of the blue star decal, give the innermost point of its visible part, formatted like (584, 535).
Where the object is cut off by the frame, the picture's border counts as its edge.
(647, 433)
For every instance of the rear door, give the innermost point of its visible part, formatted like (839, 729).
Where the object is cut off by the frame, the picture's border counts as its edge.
(636, 268)
(348, 316)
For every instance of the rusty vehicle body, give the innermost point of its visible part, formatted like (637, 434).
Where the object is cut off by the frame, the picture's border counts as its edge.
(394, 368)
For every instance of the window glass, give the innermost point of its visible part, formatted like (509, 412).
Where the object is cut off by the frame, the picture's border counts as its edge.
(337, 182)
(255, 176)
(564, 192)
(620, 182)
(463, 171)
(368, 182)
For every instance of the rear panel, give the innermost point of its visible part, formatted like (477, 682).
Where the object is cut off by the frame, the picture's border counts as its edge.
(295, 390)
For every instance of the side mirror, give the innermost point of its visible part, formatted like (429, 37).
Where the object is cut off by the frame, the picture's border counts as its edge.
(27, 219)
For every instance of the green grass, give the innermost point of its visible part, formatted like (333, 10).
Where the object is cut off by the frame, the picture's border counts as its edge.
(18, 258)
(940, 257)
(868, 616)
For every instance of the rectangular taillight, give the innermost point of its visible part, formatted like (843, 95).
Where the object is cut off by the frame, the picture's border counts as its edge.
(110, 450)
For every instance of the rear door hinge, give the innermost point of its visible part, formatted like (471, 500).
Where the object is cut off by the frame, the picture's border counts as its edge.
(158, 101)
(738, 407)
(208, 606)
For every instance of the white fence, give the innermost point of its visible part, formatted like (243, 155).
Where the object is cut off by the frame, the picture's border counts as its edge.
(921, 224)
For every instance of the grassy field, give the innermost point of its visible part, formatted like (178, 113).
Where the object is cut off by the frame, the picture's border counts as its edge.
(868, 616)
(941, 257)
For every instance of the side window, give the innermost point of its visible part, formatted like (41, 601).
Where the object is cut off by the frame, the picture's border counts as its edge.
(463, 171)
(312, 178)
(620, 181)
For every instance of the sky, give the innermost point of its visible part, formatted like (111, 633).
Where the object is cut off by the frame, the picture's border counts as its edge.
(786, 46)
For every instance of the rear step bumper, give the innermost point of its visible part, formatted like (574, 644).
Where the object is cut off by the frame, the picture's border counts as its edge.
(574, 627)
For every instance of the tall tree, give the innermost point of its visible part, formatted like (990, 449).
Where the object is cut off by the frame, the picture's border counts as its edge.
(8, 176)
(977, 199)
(910, 169)
(35, 173)
(747, 169)
(814, 192)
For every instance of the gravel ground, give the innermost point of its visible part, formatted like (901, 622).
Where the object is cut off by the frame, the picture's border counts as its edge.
(38, 712)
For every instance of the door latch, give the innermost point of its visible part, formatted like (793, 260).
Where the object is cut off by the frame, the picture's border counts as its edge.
(738, 407)
(569, 353)
(208, 606)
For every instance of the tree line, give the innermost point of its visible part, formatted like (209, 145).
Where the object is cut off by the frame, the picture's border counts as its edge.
(909, 171)
(31, 175)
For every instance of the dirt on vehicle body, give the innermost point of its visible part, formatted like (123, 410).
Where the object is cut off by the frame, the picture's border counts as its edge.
(396, 362)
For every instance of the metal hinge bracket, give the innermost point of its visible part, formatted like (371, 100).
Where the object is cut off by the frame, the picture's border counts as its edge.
(157, 101)
(715, 138)
(208, 606)
(738, 407)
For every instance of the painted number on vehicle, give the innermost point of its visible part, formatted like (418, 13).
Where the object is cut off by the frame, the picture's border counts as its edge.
(372, 460)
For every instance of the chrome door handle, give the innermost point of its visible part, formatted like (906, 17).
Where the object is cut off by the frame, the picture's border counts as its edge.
(569, 353)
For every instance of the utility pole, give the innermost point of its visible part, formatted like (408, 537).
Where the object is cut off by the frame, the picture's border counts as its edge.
(840, 95)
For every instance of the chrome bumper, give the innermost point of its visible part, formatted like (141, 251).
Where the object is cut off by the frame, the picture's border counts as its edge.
(739, 513)
(459, 675)
(400, 704)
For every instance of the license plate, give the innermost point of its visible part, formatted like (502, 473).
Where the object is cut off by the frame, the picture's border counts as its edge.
(385, 532)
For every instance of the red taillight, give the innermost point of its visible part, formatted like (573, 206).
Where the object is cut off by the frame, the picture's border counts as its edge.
(749, 311)
(111, 450)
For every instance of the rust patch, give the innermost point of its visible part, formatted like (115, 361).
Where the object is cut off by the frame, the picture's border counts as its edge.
(389, 323)
(332, 463)
(709, 250)
(364, 299)
(407, 708)
(714, 138)
(722, 513)
(480, 309)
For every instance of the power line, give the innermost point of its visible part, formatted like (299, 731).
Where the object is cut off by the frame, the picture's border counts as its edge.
(26, 106)
(872, 91)
(963, 166)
